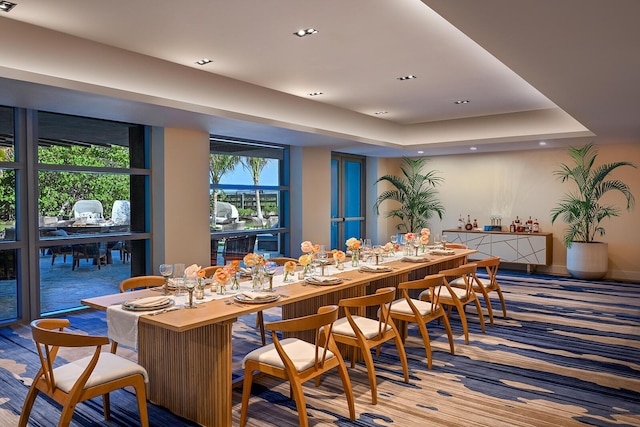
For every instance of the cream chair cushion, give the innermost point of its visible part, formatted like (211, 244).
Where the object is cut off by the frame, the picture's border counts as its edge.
(368, 327)
(109, 367)
(301, 353)
(401, 306)
(460, 282)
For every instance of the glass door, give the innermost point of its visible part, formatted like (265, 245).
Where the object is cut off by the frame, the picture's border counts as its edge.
(347, 198)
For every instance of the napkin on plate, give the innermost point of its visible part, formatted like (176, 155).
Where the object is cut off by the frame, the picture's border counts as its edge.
(442, 251)
(257, 295)
(375, 268)
(412, 258)
(149, 301)
(324, 279)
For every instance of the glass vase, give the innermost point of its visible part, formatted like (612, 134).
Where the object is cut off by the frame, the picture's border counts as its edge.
(355, 259)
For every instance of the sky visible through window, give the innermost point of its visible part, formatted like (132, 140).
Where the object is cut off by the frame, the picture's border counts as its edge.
(240, 176)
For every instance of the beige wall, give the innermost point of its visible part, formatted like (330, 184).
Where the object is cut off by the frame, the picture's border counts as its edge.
(522, 183)
(180, 197)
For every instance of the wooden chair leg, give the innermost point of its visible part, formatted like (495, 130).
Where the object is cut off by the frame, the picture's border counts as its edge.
(106, 406)
(504, 307)
(348, 390)
(301, 404)
(28, 403)
(246, 394)
(403, 357)
(447, 327)
(427, 342)
(260, 322)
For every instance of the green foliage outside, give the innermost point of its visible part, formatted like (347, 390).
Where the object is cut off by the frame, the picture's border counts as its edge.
(60, 190)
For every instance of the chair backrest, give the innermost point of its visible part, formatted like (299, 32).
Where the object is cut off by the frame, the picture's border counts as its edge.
(456, 246)
(491, 264)
(321, 323)
(238, 246)
(209, 271)
(121, 212)
(137, 282)
(468, 274)
(381, 299)
(49, 337)
(431, 285)
(282, 260)
(83, 207)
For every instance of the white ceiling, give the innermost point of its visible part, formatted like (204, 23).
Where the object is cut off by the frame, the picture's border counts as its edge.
(563, 72)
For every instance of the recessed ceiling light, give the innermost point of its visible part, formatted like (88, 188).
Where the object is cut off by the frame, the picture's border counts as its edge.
(473, 148)
(6, 6)
(306, 32)
(204, 61)
(462, 101)
(379, 113)
(542, 143)
(420, 152)
(409, 77)
(315, 93)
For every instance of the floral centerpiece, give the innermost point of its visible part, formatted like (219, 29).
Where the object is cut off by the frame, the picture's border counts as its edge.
(200, 285)
(234, 268)
(191, 272)
(255, 262)
(289, 269)
(222, 277)
(390, 248)
(339, 256)
(424, 238)
(353, 245)
(305, 261)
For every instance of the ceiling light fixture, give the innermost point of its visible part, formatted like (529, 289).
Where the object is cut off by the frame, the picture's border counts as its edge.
(420, 152)
(462, 101)
(473, 148)
(409, 77)
(6, 6)
(315, 93)
(542, 143)
(379, 113)
(307, 32)
(204, 61)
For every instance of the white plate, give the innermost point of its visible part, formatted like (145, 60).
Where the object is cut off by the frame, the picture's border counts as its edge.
(132, 306)
(248, 300)
(326, 281)
(375, 269)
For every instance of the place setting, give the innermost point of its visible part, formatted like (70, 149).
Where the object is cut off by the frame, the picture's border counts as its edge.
(366, 268)
(323, 280)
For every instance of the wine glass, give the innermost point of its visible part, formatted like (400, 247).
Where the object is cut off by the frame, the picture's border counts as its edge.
(178, 276)
(323, 258)
(166, 270)
(444, 241)
(270, 269)
(190, 284)
(394, 239)
(437, 240)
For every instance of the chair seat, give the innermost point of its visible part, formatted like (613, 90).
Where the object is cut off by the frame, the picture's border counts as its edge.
(460, 293)
(109, 367)
(301, 353)
(369, 327)
(460, 282)
(401, 306)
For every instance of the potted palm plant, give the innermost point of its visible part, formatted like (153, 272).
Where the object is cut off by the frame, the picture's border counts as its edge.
(583, 211)
(415, 193)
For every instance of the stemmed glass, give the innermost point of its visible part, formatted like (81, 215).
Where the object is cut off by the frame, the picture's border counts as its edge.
(178, 276)
(323, 258)
(444, 241)
(270, 269)
(166, 270)
(416, 244)
(394, 239)
(437, 240)
(190, 284)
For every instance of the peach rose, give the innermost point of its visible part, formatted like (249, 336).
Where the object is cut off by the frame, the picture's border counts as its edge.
(305, 260)
(290, 266)
(424, 239)
(425, 231)
(306, 246)
(409, 237)
(221, 276)
(339, 256)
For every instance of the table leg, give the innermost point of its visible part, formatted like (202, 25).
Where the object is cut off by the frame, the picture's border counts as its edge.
(190, 371)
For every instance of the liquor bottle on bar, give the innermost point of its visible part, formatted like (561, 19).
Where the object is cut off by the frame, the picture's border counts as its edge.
(529, 224)
(468, 226)
(512, 227)
(475, 224)
(536, 226)
(460, 223)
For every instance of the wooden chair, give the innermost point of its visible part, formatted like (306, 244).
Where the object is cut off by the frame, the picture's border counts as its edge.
(209, 271)
(282, 260)
(361, 332)
(459, 297)
(298, 361)
(84, 379)
(484, 286)
(141, 282)
(456, 246)
(410, 310)
(60, 250)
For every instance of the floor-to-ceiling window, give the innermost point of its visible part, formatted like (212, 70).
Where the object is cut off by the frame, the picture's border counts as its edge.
(249, 195)
(9, 295)
(347, 198)
(74, 209)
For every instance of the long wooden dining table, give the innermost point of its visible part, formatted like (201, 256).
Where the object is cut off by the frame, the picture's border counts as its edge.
(188, 353)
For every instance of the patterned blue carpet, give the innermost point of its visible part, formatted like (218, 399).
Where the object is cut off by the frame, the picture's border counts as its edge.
(567, 355)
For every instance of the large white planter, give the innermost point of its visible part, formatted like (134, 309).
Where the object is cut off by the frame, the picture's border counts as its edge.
(589, 261)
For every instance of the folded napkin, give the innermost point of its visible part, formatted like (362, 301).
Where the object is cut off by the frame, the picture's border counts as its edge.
(324, 279)
(149, 301)
(442, 251)
(375, 268)
(412, 258)
(257, 295)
